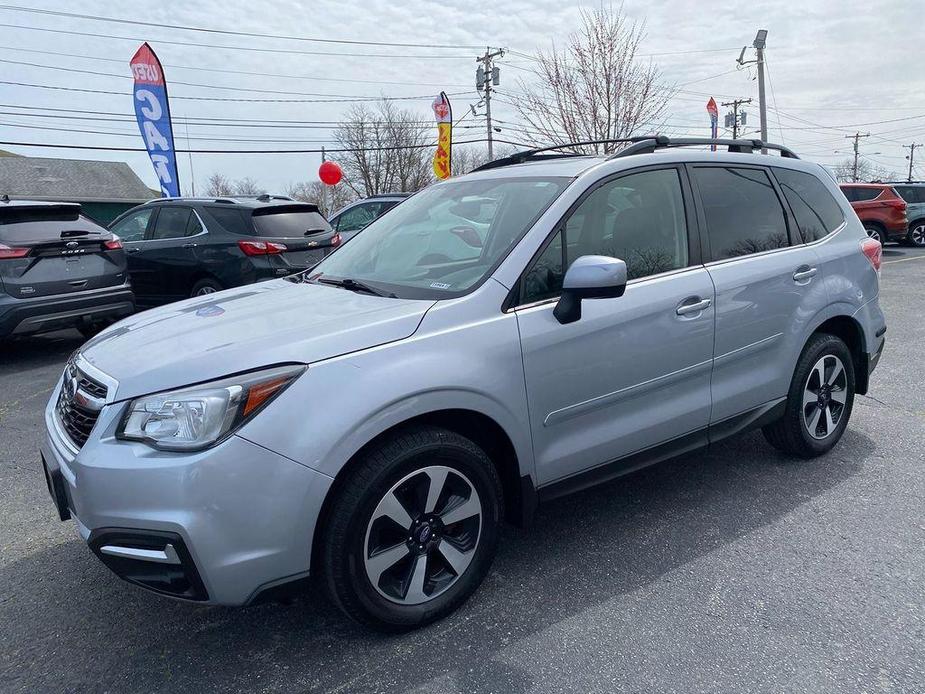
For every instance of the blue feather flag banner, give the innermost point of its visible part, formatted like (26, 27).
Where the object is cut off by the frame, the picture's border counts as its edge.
(153, 113)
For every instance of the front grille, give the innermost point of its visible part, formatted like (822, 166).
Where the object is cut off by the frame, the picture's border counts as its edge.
(77, 412)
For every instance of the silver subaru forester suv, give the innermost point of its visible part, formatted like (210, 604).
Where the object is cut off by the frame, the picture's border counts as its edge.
(543, 324)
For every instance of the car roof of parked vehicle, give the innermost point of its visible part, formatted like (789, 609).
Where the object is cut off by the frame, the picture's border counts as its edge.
(245, 202)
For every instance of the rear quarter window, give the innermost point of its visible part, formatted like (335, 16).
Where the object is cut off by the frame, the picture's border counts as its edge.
(816, 212)
(231, 219)
(861, 193)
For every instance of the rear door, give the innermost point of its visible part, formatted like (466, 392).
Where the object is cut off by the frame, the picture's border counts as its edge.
(48, 250)
(768, 286)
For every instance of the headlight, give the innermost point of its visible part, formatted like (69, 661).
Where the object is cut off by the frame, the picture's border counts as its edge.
(194, 418)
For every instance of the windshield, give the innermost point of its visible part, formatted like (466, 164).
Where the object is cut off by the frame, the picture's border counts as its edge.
(443, 241)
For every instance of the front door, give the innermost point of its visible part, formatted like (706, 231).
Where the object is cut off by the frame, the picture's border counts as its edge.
(634, 371)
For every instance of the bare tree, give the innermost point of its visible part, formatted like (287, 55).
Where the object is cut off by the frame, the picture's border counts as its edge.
(388, 150)
(867, 171)
(318, 193)
(595, 88)
(247, 186)
(218, 186)
(468, 157)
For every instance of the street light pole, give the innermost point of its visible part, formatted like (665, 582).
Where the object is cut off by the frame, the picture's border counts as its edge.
(759, 45)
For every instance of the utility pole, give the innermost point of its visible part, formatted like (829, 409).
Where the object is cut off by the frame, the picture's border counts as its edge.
(854, 170)
(911, 157)
(485, 77)
(732, 119)
(758, 44)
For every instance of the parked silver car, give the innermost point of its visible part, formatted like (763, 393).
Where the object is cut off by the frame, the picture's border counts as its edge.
(371, 423)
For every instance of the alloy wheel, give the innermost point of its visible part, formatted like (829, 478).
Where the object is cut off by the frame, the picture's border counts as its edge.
(874, 234)
(202, 291)
(824, 396)
(422, 535)
(917, 234)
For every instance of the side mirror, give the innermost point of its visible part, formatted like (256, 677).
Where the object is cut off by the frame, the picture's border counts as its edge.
(589, 277)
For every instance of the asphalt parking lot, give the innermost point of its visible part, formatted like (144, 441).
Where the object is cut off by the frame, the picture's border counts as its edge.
(731, 570)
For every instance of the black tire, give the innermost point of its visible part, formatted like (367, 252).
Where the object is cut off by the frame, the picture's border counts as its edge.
(343, 538)
(790, 434)
(875, 233)
(916, 235)
(204, 287)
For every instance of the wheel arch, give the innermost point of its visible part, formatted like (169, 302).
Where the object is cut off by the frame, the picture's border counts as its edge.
(851, 333)
(519, 491)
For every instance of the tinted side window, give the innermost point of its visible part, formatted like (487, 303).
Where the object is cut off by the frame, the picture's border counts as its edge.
(638, 218)
(911, 194)
(861, 194)
(231, 219)
(816, 212)
(171, 223)
(193, 226)
(743, 213)
(357, 217)
(133, 227)
(544, 279)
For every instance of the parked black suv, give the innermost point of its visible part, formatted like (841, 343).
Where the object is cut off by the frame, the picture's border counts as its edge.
(183, 247)
(58, 269)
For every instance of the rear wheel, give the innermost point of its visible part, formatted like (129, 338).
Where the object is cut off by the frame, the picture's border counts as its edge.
(875, 233)
(413, 530)
(819, 401)
(204, 287)
(916, 235)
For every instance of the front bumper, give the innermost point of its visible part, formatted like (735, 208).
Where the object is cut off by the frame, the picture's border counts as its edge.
(44, 313)
(217, 526)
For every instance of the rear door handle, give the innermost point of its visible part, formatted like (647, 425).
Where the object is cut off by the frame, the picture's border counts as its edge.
(132, 250)
(190, 245)
(806, 274)
(698, 305)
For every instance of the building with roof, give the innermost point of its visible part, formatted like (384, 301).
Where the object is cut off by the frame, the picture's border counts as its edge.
(104, 189)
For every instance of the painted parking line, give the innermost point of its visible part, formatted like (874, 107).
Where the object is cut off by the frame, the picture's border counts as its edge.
(903, 260)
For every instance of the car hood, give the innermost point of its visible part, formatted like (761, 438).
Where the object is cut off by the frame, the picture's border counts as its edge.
(246, 328)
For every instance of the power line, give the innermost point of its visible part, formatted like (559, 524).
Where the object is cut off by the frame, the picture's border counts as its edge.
(235, 72)
(255, 49)
(226, 32)
(218, 98)
(199, 85)
(239, 151)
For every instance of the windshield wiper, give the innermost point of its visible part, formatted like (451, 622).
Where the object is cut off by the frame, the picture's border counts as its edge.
(355, 286)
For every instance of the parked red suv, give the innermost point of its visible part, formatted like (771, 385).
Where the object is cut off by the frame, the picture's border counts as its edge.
(880, 209)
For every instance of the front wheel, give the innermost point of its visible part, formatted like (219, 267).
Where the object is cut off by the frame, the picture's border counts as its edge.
(412, 530)
(819, 401)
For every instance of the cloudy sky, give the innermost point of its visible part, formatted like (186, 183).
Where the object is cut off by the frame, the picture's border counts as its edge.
(835, 67)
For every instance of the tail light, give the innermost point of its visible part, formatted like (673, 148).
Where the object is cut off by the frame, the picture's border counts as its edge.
(335, 240)
(874, 252)
(114, 244)
(261, 247)
(896, 203)
(12, 252)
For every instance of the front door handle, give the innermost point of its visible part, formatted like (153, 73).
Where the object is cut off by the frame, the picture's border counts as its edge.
(806, 274)
(695, 307)
(190, 245)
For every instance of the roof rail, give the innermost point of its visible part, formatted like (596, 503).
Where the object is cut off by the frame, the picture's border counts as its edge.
(650, 144)
(538, 153)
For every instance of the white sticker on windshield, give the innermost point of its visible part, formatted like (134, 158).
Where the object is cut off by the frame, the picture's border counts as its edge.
(439, 285)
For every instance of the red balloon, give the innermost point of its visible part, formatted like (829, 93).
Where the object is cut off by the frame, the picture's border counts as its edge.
(329, 173)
